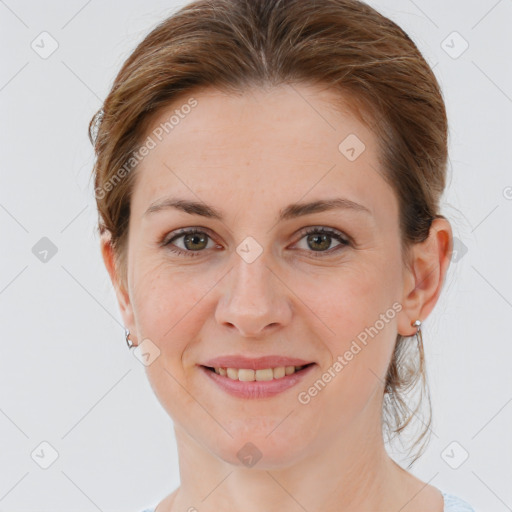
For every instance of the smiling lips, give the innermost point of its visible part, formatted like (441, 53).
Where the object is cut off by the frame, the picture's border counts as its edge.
(245, 383)
(244, 369)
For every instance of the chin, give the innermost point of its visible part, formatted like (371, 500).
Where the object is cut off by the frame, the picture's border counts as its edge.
(265, 448)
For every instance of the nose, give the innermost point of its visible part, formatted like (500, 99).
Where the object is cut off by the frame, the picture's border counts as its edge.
(254, 300)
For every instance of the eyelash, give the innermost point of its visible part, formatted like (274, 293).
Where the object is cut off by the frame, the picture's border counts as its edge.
(312, 230)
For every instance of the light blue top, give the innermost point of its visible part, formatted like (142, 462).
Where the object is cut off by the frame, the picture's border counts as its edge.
(451, 504)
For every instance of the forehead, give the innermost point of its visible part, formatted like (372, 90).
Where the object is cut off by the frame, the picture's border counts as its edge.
(275, 145)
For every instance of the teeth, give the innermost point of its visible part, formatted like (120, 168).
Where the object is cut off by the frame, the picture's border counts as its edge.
(248, 375)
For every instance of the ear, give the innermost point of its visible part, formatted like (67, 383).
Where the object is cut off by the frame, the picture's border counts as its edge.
(122, 295)
(424, 281)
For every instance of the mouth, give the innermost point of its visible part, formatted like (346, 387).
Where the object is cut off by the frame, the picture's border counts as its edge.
(256, 384)
(250, 375)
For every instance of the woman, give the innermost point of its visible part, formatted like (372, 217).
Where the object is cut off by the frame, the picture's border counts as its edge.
(268, 181)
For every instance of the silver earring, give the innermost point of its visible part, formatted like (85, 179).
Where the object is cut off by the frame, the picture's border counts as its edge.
(127, 338)
(419, 336)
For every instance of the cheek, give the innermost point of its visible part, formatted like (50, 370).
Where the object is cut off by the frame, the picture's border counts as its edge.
(170, 313)
(347, 301)
(166, 302)
(357, 307)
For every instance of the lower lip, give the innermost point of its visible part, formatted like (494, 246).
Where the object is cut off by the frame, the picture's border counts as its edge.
(257, 389)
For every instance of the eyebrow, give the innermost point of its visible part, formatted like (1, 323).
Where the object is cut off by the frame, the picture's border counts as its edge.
(290, 212)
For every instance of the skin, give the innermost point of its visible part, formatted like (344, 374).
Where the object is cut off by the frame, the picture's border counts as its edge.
(250, 155)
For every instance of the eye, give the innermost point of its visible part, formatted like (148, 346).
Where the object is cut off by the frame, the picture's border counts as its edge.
(194, 241)
(319, 240)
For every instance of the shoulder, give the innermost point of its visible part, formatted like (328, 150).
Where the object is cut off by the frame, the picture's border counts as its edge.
(453, 503)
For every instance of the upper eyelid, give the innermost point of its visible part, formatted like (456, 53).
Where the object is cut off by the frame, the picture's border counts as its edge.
(186, 231)
(301, 233)
(327, 230)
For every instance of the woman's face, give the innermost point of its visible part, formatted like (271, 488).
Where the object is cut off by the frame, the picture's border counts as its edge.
(254, 282)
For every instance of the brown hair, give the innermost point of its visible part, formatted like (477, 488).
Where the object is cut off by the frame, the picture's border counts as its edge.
(342, 44)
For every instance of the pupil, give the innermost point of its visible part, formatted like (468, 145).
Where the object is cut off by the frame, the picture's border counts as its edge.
(324, 240)
(193, 238)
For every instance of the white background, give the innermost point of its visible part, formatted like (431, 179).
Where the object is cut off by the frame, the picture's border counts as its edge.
(66, 375)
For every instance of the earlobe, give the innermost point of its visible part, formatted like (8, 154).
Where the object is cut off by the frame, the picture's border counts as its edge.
(423, 282)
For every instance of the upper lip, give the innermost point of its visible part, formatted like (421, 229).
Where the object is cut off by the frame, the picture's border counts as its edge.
(256, 363)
